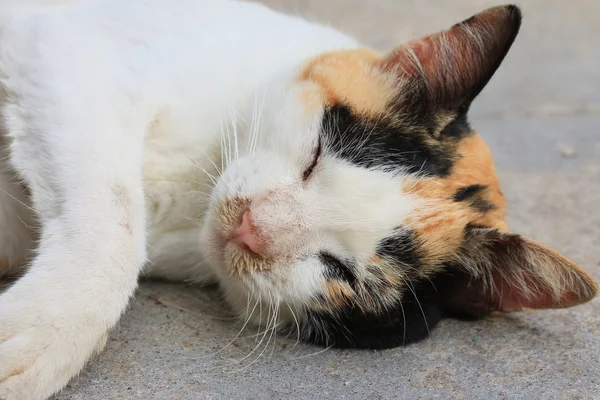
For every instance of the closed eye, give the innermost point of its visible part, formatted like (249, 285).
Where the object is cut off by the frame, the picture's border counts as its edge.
(308, 171)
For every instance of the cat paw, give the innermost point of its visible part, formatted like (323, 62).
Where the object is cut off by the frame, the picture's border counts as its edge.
(38, 356)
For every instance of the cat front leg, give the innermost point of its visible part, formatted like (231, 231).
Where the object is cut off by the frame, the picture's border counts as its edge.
(82, 162)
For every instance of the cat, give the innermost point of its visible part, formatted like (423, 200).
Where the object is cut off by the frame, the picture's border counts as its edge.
(220, 141)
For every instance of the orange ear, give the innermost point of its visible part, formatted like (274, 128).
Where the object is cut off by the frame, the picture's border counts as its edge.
(448, 69)
(506, 272)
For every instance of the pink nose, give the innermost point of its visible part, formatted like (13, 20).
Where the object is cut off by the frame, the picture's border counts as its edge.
(245, 236)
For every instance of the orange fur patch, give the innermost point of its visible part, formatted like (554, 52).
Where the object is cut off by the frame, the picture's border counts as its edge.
(440, 222)
(352, 78)
(338, 293)
(476, 165)
(390, 273)
(374, 259)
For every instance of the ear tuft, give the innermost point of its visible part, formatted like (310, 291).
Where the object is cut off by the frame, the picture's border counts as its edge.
(506, 272)
(451, 67)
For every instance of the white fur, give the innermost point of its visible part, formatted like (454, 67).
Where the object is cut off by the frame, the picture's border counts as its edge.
(118, 112)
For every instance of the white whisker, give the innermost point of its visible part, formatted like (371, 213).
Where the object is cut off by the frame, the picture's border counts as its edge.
(17, 200)
(311, 354)
(297, 327)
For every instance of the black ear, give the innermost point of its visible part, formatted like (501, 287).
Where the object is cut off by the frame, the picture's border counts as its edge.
(448, 69)
(500, 271)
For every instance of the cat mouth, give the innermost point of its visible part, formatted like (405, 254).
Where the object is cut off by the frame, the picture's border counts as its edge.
(243, 261)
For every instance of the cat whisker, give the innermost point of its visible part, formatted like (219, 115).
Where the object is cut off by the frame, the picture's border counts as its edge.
(262, 335)
(229, 144)
(236, 362)
(222, 148)
(411, 288)
(403, 324)
(297, 327)
(251, 129)
(256, 122)
(260, 114)
(420, 273)
(212, 178)
(254, 127)
(311, 354)
(272, 328)
(225, 146)
(274, 331)
(422, 166)
(219, 170)
(249, 316)
(196, 164)
(233, 116)
(32, 228)
(249, 313)
(206, 196)
(17, 200)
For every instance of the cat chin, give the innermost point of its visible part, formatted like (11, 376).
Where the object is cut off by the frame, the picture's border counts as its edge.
(257, 301)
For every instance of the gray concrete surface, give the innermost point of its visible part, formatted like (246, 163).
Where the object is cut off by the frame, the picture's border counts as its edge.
(541, 116)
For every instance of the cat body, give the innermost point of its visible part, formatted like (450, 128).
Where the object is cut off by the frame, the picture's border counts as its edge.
(220, 141)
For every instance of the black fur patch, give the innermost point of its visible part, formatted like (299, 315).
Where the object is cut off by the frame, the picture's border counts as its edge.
(449, 294)
(468, 192)
(482, 205)
(458, 128)
(337, 269)
(407, 322)
(473, 193)
(401, 248)
(385, 143)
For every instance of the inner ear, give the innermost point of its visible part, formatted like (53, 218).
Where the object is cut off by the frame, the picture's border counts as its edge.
(445, 71)
(500, 271)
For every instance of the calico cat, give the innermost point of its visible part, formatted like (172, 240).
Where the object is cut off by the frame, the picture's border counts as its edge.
(221, 141)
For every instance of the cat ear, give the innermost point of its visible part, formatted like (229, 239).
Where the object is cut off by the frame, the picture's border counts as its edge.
(500, 271)
(448, 69)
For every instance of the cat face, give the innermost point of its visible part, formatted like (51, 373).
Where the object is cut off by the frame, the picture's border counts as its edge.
(363, 208)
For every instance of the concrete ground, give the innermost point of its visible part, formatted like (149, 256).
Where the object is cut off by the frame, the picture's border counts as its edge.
(541, 116)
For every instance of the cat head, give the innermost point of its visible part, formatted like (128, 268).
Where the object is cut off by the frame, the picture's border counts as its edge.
(366, 208)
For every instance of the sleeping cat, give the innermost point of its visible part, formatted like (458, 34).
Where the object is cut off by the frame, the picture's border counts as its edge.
(220, 141)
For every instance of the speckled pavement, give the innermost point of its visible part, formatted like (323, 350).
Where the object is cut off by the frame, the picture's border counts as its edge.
(541, 116)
